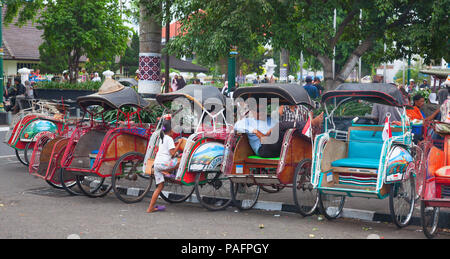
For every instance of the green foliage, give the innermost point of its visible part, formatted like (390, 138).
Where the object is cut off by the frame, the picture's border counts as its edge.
(353, 108)
(147, 116)
(210, 28)
(92, 86)
(130, 60)
(74, 28)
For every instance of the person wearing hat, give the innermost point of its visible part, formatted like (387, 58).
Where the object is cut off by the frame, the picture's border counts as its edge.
(310, 88)
(319, 87)
(412, 86)
(424, 85)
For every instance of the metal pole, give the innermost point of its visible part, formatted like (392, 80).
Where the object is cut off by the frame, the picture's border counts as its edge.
(232, 69)
(360, 61)
(403, 80)
(301, 68)
(334, 48)
(385, 64)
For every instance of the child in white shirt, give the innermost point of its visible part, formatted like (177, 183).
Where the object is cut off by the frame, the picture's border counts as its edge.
(164, 162)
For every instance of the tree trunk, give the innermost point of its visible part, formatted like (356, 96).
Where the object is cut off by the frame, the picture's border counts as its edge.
(149, 51)
(284, 65)
(340, 76)
(167, 61)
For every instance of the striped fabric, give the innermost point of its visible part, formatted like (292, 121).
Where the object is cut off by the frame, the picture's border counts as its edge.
(358, 179)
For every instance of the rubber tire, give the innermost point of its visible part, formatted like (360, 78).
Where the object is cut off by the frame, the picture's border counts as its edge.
(239, 204)
(114, 180)
(323, 210)
(391, 204)
(207, 205)
(434, 229)
(294, 188)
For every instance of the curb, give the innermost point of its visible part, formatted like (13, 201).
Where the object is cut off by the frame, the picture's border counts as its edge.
(365, 215)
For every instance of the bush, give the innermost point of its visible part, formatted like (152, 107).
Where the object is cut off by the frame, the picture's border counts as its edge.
(92, 86)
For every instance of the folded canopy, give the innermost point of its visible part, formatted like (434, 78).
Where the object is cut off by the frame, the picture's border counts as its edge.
(113, 100)
(373, 92)
(199, 94)
(290, 94)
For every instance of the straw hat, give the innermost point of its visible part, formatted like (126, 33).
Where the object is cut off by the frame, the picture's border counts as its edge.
(110, 86)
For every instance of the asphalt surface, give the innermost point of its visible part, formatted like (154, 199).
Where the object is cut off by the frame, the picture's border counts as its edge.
(30, 208)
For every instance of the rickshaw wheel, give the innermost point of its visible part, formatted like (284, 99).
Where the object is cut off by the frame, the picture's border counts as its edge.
(135, 176)
(21, 159)
(305, 196)
(213, 191)
(401, 201)
(429, 217)
(272, 188)
(175, 191)
(68, 187)
(331, 206)
(99, 189)
(245, 195)
(25, 153)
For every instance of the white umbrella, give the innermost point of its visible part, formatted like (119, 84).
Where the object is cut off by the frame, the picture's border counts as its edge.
(201, 75)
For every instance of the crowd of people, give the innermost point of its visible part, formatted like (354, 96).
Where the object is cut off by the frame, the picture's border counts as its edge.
(16, 94)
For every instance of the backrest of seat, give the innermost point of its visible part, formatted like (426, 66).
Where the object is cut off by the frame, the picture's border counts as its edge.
(367, 141)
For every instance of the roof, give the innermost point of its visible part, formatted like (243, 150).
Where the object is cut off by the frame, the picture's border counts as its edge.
(21, 42)
(373, 92)
(185, 66)
(292, 94)
(439, 73)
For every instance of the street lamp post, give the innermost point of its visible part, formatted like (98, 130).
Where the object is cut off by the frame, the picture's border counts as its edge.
(232, 69)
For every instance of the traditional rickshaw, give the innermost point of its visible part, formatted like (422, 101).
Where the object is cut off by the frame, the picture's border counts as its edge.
(29, 124)
(365, 160)
(99, 151)
(249, 172)
(197, 113)
(433, 176)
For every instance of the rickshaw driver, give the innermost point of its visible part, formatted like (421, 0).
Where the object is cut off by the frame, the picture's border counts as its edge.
(255, 129)
(261, 130)
(269, 150)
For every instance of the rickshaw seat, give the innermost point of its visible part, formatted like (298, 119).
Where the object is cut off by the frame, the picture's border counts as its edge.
(443, 172)
(357, 162)
(262, 160)
(364, 148)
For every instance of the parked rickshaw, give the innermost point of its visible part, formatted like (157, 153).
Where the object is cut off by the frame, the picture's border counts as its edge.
(42, 117)
(249, 172)
(434, 176)
(103, 156)
(198, 116)
(357, 161)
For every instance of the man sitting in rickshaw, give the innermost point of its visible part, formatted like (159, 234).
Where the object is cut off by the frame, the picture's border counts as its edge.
(261, 133)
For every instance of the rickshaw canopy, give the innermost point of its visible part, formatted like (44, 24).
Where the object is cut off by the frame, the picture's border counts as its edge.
(113, 100)
(373, 92)
(199, 94)
(288, 94)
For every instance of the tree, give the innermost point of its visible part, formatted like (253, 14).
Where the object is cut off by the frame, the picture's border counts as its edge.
(130, 60)
(209, 28)
(150, 46)
(76, 28)
(310, 28)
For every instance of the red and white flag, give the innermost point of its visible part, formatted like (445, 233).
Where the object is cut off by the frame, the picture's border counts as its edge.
(387, 133)
(307, 130)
